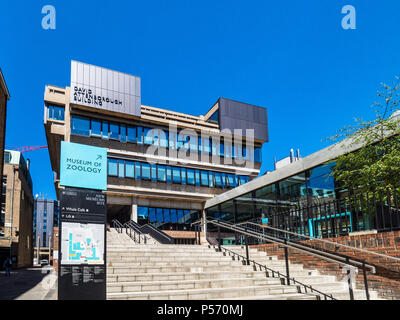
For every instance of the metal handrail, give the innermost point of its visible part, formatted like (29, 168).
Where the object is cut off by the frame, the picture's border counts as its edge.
(321, 240)
(117, 225)
(159, 232)
(135, 232)
(322, 254)
(349, 263)
(280, 275)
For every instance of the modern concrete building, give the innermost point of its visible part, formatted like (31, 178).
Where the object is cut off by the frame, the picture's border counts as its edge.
(162, 165)
(4, 97)
(45, 217)
(16, 227)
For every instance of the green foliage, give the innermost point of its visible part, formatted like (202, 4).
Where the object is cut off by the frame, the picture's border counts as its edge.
(377, 163)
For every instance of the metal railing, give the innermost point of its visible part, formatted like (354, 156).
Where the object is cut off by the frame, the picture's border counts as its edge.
(131, 232)
(348, 262)
(155, 233)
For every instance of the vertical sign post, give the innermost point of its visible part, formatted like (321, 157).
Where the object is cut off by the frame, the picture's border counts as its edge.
(83, 216)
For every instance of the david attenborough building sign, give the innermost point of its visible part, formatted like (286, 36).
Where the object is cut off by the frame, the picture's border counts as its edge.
(106, 89)
(83, 166)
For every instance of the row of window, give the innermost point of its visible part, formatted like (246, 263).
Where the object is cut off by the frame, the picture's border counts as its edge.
(163, 215)
(169, 174)
(55, 112)
(142, 135)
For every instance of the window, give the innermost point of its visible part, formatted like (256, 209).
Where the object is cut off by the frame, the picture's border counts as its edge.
(122, 133)
(80, 126)
(174, 216)
(169, 174)
(206, 145)
(172, 140)
(121, 169)
(218, 179)
(56, 112)
(176, 175)
(204, 178)
(148, 136)
(152, 215)
(197, 174)
(193, 144)
(214, 147)
(210, 179)
(223, 175)
(146, 171)
(129, 169)
(200, 145)
(180, 141)
(161, 174)
(95, 130)
(114, 131)
(112, 167)
(180, 216)
(163, 139)
(221, 149)
(183, 174)
(138, 173)
(139, 135)
(190, 176)
(156, 134)
(159, 215)
(104, 130)
(257, 155)
(167, 216)
(131, 134)
(232, 180)
(154, 172)
(143, 214)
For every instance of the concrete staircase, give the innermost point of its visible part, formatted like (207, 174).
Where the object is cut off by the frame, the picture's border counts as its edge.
(322, 282)
(170, 272)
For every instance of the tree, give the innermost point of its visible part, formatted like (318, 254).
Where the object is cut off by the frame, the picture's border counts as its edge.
(376, 164)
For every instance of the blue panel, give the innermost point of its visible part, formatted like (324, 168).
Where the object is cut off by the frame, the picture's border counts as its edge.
(83, 166)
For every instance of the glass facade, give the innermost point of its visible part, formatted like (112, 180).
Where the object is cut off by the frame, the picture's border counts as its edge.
(143, 135)
(179, 175)
(167, 219)
(282, 202)
(55, 112)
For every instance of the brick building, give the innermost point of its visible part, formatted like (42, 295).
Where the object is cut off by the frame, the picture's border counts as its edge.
(16, 228)
(4, 97)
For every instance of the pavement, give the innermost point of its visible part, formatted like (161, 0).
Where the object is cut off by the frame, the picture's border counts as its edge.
(37, 283)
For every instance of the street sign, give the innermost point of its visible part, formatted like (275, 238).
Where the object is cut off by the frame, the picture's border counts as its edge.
(82, 245)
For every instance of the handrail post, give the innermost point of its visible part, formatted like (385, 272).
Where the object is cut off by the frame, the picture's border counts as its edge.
(247, 249)
(365, 280)
(219, 239)
(287, 262)
(199, 234)
(349, 282)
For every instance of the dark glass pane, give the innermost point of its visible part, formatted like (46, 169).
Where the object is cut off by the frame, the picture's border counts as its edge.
(221, 149)
(114, 131)
(96, 128)
(176, 174)
(104, 130)
(146, 171)
(257, 155)
(161, 173)
(143, 215)
(223, 178)
(180, 216)
(232, 180)
(138, 173)
(154, 172)
(197, 173)
(167, 216)
(132, 134)
(130, 169)
(210, 179)
(204, 178)
(169, 174)
(152, 215)
(190, 176)
(174, 216)
(148, 136)
(172, 140)
(244, 205)
(123, 133)
(218, 179)
(183, 174)
(112, 167)
(227, 211)
(139, 135)
(80, 126)
(159, 215)
(163, 139)
(121, 169)
(156, 134)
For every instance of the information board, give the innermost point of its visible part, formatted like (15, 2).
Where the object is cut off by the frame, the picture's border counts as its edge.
(82, 245)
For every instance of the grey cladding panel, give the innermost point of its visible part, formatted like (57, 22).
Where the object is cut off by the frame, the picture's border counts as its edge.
(238, 115)
(106, 89)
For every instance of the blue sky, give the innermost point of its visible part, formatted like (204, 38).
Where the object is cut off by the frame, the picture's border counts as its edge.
(292, 57)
